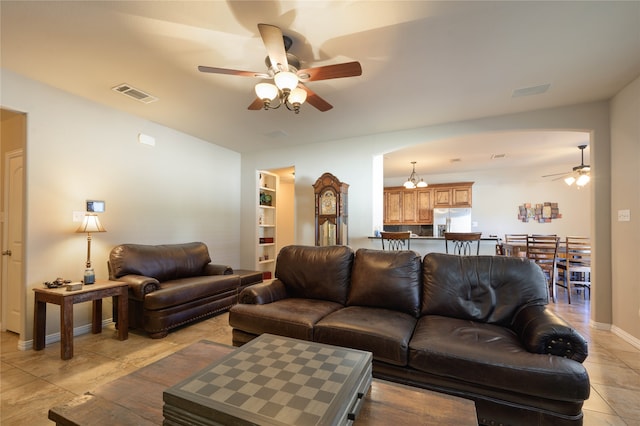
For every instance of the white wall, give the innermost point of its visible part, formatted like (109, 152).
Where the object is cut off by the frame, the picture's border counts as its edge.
(183, 189)
(625, 195)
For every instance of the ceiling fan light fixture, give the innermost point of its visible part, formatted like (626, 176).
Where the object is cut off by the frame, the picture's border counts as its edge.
(286, 80)
(297, 97)
(569, 180)
(266, 91)
(583, 179)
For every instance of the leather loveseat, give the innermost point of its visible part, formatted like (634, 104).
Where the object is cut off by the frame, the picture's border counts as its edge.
(471, 326)
(175, 284)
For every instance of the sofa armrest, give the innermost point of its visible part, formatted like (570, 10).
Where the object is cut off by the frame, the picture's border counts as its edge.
(543, 332)
(263, 293)
(139, 285)
(214, 269)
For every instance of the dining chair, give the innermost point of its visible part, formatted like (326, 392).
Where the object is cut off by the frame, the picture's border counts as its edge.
(516, 245)
(462, 242)
(543, 250)
(396, 240)
(575, 266)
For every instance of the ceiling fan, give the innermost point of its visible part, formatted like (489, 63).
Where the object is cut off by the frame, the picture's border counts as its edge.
(580, 174)
(284, 68)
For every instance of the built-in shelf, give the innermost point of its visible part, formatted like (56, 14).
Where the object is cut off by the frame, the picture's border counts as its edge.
(266, 200)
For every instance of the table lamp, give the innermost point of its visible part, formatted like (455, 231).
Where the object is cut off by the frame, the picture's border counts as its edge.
(90, 224)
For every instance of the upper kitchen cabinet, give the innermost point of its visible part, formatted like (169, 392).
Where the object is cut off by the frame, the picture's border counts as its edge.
(404, 206)
(424, 206)
(393, 198)
(452, 195)
(408, 206)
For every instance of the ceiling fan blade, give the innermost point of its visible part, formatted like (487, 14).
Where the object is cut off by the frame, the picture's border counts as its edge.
(214, 70)
(316, 100)
(257, 104)
(347, 69)
(557, 174)
(273, 41)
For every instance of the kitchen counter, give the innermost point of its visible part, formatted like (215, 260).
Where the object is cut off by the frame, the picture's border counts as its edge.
(424, 245)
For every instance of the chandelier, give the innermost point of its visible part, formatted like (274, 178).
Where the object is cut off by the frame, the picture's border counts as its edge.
(414, 180)
(285, 90)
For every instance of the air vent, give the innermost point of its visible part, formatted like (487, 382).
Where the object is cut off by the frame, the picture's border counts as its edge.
(137, 94)
(529, 91)
(497, 156)
(276, 134)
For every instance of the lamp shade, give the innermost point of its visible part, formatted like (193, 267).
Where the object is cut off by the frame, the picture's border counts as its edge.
(266, 91)
(583, 180)
(297, 96)
(286, 80)
(90, 223)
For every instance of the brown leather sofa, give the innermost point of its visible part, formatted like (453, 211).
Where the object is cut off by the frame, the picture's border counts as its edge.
(175, 284)
(471, 326)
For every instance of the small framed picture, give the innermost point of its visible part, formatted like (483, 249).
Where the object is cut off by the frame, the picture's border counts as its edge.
(95, 206)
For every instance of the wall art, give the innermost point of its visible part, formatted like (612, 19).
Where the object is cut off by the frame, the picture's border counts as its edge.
(542, 213)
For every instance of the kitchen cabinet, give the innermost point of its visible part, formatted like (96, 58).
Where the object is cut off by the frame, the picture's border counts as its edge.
(425, 207)
(393, 206)
(453, 195)
(404, 206)
(407, 206)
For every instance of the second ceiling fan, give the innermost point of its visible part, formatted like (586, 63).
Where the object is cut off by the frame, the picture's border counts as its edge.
(580, 174)
(288, 77)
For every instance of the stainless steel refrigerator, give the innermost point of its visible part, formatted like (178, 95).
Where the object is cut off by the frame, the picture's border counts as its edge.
(451, 220)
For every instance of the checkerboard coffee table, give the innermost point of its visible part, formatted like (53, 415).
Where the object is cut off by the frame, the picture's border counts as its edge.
(274, 380)
(136, 398)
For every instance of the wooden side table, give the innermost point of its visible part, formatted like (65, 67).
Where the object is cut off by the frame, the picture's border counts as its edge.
(66, 299)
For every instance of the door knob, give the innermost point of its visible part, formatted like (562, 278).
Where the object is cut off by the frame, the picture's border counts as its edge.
(6, 252)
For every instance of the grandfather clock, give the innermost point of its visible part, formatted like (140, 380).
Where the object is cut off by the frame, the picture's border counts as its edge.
(332, 217)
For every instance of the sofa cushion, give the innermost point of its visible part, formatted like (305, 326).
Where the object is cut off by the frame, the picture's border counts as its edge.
(492, 356)
(386, 279)
(480, 288)
(316, 272)
(162, 262)
(383, 332)
(184, 290)
(287, 317)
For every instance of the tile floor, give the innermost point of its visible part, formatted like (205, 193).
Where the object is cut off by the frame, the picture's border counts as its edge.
(31, 382)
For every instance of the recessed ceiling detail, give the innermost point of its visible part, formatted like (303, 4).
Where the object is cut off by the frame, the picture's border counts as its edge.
(132, 92)
(530, 91)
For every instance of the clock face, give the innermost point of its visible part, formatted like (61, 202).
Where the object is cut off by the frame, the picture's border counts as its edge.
(328, 203)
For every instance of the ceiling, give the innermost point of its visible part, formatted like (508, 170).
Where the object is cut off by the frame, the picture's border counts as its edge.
(423, 63)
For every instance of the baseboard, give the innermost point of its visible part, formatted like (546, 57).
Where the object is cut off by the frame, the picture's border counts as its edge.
(617, 331)
(25, 345)
(600, 325)
(625, 336)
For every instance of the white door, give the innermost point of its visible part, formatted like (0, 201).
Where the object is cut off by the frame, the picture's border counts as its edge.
(12, 245)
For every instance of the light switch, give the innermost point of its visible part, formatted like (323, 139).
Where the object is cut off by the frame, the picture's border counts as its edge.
(78, 216)
(624, 215)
